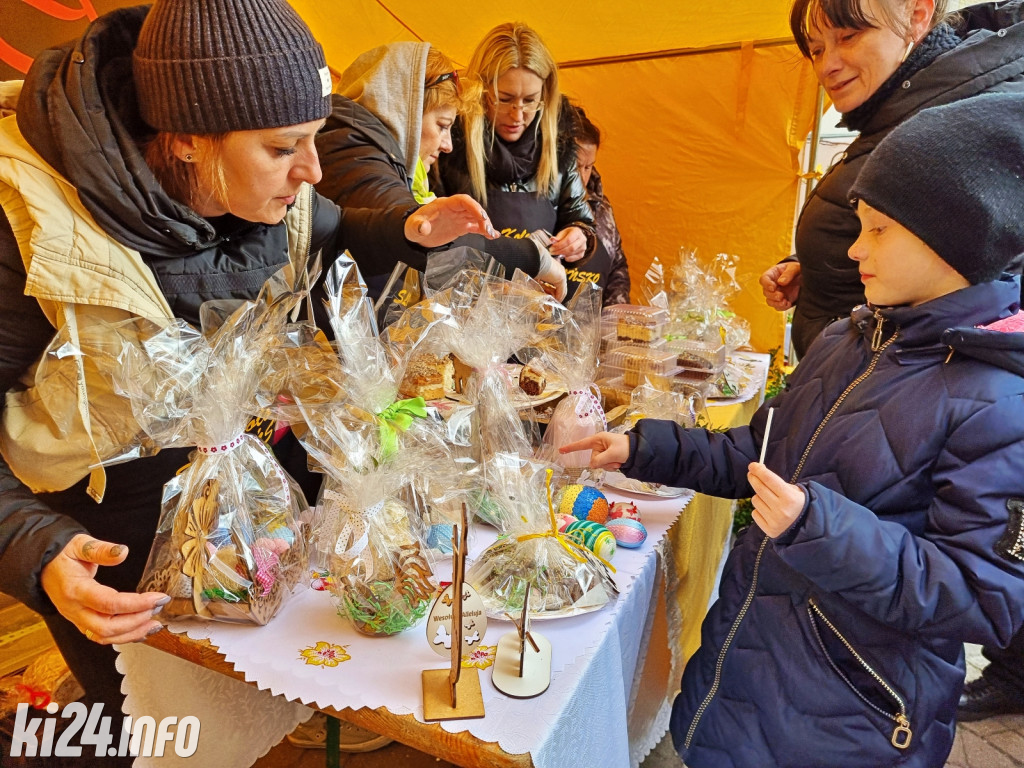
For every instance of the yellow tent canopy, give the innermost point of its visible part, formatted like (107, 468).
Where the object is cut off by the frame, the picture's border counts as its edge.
(704, 107)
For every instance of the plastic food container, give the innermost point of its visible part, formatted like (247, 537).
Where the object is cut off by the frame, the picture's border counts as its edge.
(700, 360)
(637, 362)
(614, 392)
(635, 324)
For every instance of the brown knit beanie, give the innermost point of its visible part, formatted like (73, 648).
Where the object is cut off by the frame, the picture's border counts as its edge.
(212, 66)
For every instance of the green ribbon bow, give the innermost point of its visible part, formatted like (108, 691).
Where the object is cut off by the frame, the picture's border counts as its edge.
(397, 418)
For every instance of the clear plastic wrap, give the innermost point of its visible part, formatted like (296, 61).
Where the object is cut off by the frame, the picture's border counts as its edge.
(231, 539)
(383, 458)
(565, 578)
(574, 358)
(369, 536)
(505, 316)
(686, 407)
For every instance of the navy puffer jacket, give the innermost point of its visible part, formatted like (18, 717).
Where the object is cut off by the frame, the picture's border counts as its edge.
(840, 643)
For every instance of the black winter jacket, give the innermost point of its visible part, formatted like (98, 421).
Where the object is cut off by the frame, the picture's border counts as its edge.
(87, 127)
(905, 430)
(363, 168)
(988, 60)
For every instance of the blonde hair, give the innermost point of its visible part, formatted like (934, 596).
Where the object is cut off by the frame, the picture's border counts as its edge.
(513, 45)
(182, 180)
(463, 96)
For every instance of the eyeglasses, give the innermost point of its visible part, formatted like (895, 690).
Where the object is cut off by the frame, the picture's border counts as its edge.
(507, 106)
(453, 76)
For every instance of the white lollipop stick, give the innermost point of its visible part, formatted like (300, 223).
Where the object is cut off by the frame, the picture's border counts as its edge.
(764, 440)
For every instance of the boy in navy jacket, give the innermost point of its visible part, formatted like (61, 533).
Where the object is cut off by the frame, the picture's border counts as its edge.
(889, 508)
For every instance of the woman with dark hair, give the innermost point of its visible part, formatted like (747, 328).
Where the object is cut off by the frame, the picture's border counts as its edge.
(607, 267)
(880, 61)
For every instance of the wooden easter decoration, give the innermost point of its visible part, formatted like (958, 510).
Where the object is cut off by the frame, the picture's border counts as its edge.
(522, 663)
(453, 693)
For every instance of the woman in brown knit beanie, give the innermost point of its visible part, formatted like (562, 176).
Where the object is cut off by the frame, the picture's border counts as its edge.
(164, 159)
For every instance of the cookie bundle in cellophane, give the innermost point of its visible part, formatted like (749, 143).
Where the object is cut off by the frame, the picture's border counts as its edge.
(572, 355)
(231, 539)
(380, 454)
(495, 318)
(369, 537)
(565, 578)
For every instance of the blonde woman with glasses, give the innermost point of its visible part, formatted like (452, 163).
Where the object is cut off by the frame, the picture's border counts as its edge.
(391, 119)
(508, 155)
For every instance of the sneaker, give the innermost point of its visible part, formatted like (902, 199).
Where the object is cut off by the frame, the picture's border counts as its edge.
(312, 734)
(983, 698)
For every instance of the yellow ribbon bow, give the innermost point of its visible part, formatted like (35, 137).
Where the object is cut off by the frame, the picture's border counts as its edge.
(566, 541)
(397, 418)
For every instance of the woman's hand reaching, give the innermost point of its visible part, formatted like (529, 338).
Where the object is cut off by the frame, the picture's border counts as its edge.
(442, 220)
(103, 614)
(570, 244)
(608, 450)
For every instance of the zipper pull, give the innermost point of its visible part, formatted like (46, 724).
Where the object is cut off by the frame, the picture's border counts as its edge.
(901, 736)
(876, 340)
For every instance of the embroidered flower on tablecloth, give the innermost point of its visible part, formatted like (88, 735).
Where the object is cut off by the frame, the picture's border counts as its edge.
(325, 654)
(480, 657)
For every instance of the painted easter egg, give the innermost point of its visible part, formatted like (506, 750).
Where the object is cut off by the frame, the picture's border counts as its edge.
(593, 536)
(563, 520)
(584, 502)
(624, 509)
(628, 532)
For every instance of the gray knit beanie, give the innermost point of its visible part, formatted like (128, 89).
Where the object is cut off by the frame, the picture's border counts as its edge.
(954, 176)
(212, 66)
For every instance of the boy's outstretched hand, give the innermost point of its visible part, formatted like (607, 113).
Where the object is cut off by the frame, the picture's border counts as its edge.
(777, 504)
(609, 450)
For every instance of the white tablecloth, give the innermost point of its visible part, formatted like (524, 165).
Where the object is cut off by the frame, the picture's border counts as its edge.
(615, 671)
(594, 662)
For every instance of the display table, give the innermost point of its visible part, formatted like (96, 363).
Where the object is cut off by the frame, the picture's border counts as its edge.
(614, 671)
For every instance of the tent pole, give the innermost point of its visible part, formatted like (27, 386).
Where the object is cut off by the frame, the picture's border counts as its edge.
(673, 53)
(812, 155)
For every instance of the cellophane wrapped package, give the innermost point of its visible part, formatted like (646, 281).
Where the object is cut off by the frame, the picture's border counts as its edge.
(231, 539)
(381, 456)
(565, 578)
(574, 358)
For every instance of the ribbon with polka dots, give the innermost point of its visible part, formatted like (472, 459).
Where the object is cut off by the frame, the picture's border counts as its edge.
(587, 404)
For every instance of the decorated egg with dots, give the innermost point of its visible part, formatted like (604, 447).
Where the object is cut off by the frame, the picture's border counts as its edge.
(563, 521)
(624, 509)
(628, 532)
(584, 502)
(593, 536)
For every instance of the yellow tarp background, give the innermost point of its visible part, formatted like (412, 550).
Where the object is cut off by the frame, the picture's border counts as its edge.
(703, 104)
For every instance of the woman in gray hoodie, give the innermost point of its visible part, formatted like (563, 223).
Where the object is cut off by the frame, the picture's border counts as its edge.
(391, 119)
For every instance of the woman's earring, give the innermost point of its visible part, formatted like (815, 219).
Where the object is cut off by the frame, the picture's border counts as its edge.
(906, 53)
(188, 158)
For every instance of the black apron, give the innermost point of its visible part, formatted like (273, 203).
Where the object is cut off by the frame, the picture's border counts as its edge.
(517, 214)
(592, 270)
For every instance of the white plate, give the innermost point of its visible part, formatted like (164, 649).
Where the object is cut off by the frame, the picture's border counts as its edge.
(520, 399)
(620, 482)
